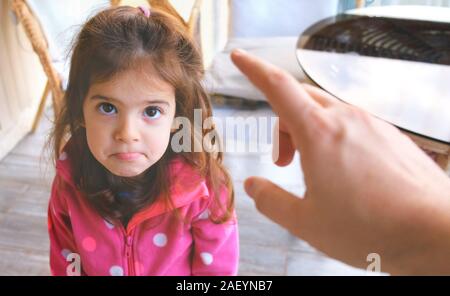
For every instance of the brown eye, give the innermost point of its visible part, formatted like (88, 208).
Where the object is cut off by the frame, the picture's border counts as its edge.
(107, 108)
(152, 112)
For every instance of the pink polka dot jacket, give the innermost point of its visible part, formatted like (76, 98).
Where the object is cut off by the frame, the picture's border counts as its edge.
(155, 241)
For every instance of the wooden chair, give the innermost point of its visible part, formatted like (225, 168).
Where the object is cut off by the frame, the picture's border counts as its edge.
(39, 43)
(38, 40)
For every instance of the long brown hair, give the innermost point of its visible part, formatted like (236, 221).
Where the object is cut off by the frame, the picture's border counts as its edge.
(111, 42)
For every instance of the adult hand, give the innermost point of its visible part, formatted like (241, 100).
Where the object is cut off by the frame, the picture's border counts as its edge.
(370, 189)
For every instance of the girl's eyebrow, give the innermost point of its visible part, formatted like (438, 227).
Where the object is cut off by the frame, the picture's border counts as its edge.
(100, 97)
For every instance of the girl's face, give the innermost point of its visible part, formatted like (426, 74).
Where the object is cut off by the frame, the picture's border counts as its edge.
(128, 121)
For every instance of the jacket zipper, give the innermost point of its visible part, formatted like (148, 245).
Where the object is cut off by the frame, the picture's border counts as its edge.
(129, 254)
(129, 251)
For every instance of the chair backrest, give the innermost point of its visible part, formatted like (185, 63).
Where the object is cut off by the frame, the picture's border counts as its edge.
(60, 22)
(39, 43)
(50, 26)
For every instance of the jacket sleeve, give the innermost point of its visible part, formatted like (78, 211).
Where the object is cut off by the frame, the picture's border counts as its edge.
(216, 246)
(64, 257)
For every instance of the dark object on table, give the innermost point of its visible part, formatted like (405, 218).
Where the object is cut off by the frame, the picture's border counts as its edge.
(403, 39)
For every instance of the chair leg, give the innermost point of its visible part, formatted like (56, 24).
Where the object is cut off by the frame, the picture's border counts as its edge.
(41, 108)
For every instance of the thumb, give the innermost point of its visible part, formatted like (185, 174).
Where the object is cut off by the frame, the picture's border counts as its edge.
(279, 205)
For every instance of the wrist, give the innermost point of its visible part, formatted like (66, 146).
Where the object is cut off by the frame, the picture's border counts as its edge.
(429, 249)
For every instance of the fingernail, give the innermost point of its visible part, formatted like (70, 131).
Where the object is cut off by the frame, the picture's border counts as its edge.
(276, 142)
(239, 51)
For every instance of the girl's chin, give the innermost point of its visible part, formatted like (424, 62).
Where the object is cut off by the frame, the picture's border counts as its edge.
(126, 172)
(127, 175)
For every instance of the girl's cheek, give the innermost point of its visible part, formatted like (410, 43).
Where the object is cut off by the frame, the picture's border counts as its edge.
(158, 132)
(161, 122)
(101, 119)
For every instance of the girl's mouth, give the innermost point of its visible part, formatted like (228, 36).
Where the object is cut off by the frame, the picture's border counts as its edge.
(128, 156)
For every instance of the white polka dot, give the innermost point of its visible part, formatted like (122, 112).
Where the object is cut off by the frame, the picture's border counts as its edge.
(116, 270)
(160, 239)
(204, 215)
(207, 258)
(63, 156)
(65, 253)
(109, 225)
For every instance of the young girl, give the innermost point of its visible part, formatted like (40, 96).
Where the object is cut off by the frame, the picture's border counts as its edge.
(123, 202)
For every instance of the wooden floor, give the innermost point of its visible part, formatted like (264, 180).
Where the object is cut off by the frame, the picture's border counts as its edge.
(266, 249)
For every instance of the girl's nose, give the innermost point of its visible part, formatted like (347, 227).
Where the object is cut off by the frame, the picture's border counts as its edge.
(127, 131)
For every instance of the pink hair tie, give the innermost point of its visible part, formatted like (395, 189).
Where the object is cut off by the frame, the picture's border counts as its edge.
(145, 10)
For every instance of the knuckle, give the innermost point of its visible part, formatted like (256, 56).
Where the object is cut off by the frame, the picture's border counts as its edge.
(324, 123)
(358, 114)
